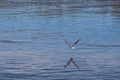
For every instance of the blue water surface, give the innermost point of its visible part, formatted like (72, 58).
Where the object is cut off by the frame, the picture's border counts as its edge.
(32, 35)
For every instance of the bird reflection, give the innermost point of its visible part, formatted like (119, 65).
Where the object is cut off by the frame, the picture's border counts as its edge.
(71, 61)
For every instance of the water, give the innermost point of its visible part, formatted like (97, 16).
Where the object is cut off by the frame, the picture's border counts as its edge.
(32, 34)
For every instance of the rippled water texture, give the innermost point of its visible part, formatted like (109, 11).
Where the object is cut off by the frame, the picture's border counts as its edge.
(32, 35)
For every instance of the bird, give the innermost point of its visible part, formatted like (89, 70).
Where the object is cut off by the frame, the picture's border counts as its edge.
(72, 46)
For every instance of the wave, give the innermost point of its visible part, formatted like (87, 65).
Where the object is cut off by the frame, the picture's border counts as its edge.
(103, 45)
(13, 41)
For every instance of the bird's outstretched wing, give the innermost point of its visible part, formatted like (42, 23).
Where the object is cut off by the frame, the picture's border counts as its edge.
(75, 43)
(67, 43)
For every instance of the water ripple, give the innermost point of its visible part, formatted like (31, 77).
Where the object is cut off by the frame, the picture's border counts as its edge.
(13, 41)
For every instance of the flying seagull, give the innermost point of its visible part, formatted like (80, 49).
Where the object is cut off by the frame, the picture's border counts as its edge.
(72, 46)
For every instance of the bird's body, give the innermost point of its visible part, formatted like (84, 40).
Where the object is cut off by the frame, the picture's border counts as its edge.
(72, 47)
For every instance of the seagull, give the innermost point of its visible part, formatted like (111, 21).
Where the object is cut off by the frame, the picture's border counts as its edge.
(72, 46)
